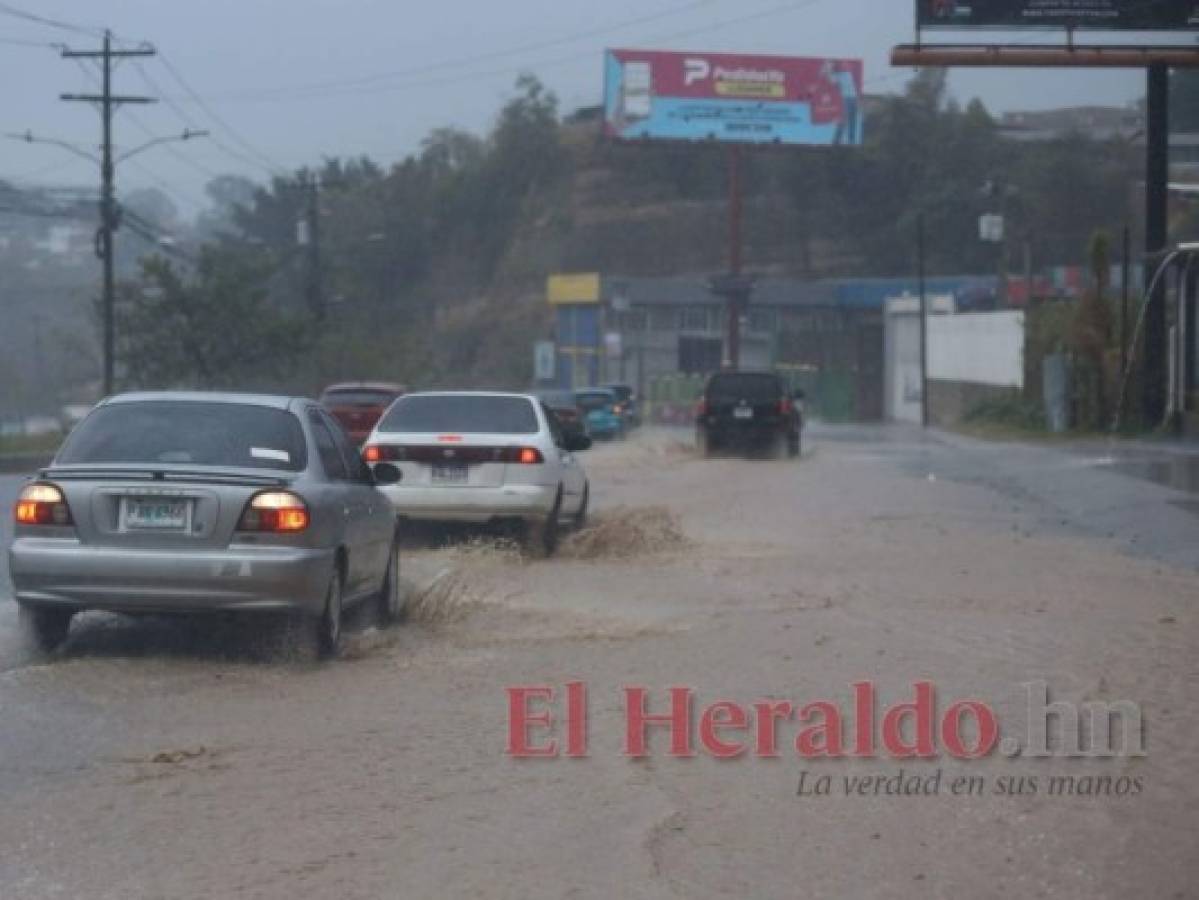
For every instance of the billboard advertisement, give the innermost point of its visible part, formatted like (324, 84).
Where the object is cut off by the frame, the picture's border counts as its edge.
(651, 95)
(1130, 15)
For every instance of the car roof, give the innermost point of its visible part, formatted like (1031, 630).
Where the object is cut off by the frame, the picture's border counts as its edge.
(596, 390)
(365, 386)
(752, 372)
(514, 396)
(272, 401)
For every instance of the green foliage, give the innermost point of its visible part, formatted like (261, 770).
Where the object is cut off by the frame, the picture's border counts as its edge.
(1008, 411)
(211, 329)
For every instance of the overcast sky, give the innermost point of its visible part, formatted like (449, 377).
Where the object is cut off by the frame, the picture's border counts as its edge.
(418, 66)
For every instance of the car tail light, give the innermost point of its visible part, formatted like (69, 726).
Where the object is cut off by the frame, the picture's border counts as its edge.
(375, 453)
(42, 504)
(524, 456)
(275, 511)
(701, 408)
(618, 409)
(785, 406)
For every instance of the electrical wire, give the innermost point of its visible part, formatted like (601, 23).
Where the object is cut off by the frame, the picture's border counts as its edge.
(13, 11)
(362, 80)
(264, 162)
(188, 123)
(539, 65)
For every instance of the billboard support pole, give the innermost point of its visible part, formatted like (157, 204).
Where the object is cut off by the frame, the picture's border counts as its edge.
(734, 297)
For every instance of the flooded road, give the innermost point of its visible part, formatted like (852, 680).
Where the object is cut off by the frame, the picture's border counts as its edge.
(174, 759)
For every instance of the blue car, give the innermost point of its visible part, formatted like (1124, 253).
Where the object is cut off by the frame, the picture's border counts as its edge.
(599, 406)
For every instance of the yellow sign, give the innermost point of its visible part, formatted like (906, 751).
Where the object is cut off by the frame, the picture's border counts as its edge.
(564, 289)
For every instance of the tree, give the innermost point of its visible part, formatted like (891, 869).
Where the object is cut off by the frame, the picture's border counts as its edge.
(211, 329)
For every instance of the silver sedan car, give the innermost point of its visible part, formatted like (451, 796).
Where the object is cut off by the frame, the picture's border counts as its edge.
(197, 502)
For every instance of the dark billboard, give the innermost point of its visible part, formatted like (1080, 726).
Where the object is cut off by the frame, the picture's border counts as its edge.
(1125, 15)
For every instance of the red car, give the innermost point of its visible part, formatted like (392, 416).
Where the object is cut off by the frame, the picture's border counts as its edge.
(359, 405)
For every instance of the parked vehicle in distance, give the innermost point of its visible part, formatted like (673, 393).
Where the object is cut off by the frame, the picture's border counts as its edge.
(626, 403)
(599, 407)
(483, 457)
(358, 405)
(563, 405)
(205, 502)
(746, 411)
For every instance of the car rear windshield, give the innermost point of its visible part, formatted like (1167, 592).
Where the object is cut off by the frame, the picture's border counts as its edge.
(357, 398)
(593, 400)
(461, 415)
(558, 399)
(188, 433)
(745, 387)
(622, 391)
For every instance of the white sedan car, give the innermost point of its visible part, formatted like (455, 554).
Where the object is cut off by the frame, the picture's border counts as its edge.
(483, 457)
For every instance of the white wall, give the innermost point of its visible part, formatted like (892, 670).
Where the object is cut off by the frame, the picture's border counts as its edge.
(979, 348)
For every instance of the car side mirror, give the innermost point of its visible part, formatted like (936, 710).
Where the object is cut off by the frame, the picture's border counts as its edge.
(387, 473)
(576, 443)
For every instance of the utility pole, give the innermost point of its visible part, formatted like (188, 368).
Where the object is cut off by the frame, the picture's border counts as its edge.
(310, 236)
(109, 216)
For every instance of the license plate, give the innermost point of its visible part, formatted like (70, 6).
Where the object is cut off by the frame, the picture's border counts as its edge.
(154, 514)
(743, 412)
(451, 474)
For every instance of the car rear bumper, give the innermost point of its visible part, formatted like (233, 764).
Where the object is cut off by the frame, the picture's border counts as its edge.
(746, 430)
(66, 573)
(472, 504)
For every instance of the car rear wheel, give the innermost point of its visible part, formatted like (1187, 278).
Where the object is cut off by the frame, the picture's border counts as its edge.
(391, 596)
(580, 520)
(44, 628)
(541, 536)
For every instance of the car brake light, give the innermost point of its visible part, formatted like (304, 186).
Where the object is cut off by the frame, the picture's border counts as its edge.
(701, 408)
(42, 504)
(376, 453)
(275, 511)
(524, 456)
(785, 406)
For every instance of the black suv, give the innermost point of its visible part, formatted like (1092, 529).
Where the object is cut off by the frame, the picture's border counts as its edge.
(748, 410)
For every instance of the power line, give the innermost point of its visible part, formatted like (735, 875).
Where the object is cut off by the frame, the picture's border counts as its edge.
(10, 10)
(187, 121)
(542, 64)
(158, 182)
(264, 161)
(358, 81)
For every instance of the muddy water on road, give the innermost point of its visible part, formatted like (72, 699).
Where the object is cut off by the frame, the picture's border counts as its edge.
(170, 759)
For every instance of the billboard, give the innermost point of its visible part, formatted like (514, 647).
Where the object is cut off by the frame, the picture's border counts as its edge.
(1130, 15)
(652, 95)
